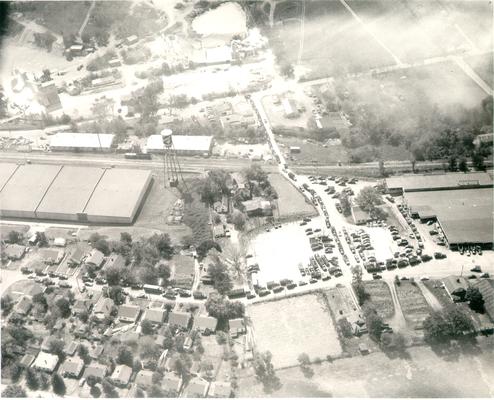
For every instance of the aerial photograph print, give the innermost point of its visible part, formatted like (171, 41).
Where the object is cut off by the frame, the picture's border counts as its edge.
(246, 198)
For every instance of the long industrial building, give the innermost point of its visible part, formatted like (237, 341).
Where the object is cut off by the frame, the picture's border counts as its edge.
(186, 145)
(72, 193)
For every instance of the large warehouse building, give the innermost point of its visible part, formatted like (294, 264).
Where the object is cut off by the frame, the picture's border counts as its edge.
(464, 215)
(398, 185)
(71, 193)
(79, 142)
(461, 203)
(184, 144)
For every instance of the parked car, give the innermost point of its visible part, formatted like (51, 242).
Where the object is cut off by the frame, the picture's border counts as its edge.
(476, 269)
(438, 255)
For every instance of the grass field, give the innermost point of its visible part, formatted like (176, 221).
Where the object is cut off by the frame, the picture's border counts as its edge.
(290, 202)
(483, 66)
(334, 42)
(380, 298)
(413, 304)
(423, 375)
(58, 16)
(292, 326)
(312, 153)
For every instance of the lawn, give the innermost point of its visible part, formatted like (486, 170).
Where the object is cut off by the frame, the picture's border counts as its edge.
(312, 152)
(292, 326)
(380, 298)
(482, 65)
(290, 202)
(58, 16)
(413, 304)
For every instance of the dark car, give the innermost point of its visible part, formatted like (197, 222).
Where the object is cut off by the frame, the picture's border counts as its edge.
(476, 269)
(438, 255)
(291, 286)
(251, 296)
(278, 289)
(263, 293)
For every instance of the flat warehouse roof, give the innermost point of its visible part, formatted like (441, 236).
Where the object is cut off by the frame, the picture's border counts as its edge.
(71, 190)
(6, 171)
(438, 181)
(118, 192)
(465, 215)
(26, 188)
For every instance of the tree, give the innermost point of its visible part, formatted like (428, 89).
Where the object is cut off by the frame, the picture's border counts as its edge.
(56, 346)
(58, 385)
(452, 163)
(3, 103)
(203, 248)
(95, 391)
(109, 388)
(164, 271)
(475, 299)
(239, 219)
(478, 161)
(32, 379)
(147, 327)
(63, 306)
(345, 327)
(126, 238)
(393, 342)
(162, 243)
(42, 239)
(368, 199)
(125, 356)
(358, 285)
(103, 246)
(222, 309)
(304, 362)
(374, 323)
(462, 165)
(265, 372)
(444, 326)
(382, 169)
(222, 281)
(345, 204)
(83, 353)
(182, 365)
(14, 391)
(15, 237)
(7, 304)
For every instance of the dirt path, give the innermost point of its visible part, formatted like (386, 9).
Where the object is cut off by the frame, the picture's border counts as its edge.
(397, 321)
(86, 20)
(429, 297)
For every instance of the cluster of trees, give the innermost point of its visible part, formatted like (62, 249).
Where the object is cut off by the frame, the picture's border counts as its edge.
(136, 55)
(101, 62)
(265, 372)
(416, 123)
(144, 255)
(219, 307)
(156, 72)
(213, 186)
(390, 342)
(358, 285)
(259, 184)
(304, 362)
(220, 275)
(3, 103)
(441, 327)
(369, 199)
(44, 40)
(146, 101)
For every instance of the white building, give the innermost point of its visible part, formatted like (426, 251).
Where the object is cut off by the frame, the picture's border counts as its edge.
(183, 144)
(68, 141)
(46, 362)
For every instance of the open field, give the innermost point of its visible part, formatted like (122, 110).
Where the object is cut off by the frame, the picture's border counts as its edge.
(292, 326)
(380, 297)
(424, 374)
(57, 16)
(483, 66)
(334, 42)
(413, 303)
(311, 152)
(290, 202)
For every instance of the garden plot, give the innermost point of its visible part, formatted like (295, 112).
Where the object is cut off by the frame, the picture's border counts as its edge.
(380, 297)
(413, 303)
(293, 326)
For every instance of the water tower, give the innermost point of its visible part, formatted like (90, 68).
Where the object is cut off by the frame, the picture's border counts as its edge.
(171, 167)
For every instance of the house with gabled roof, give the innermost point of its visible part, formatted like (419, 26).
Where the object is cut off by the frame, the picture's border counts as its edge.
(72, 367)
(220, 389)
(128, 313)
(179, 319)
(45, 362)
(154, 315)
(80, 307)
(205, 324)
(172, 383)
(237, 327)
(102, 309)
(456, 287)
(114, 260)
(144, 378)
(121, 375)
(23, 306)
(95, 258)
(197, 387)
(97, 370)
(70, 348)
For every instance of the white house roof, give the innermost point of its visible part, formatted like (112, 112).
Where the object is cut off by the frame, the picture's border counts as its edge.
(90, 140)
(46, 361)
(181, 142)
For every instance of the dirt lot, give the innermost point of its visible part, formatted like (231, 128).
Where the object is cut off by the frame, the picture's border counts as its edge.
(424, 374)
(413, 304)
(380, 298)
(291, 202)
(292, 326)
(311, 152)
